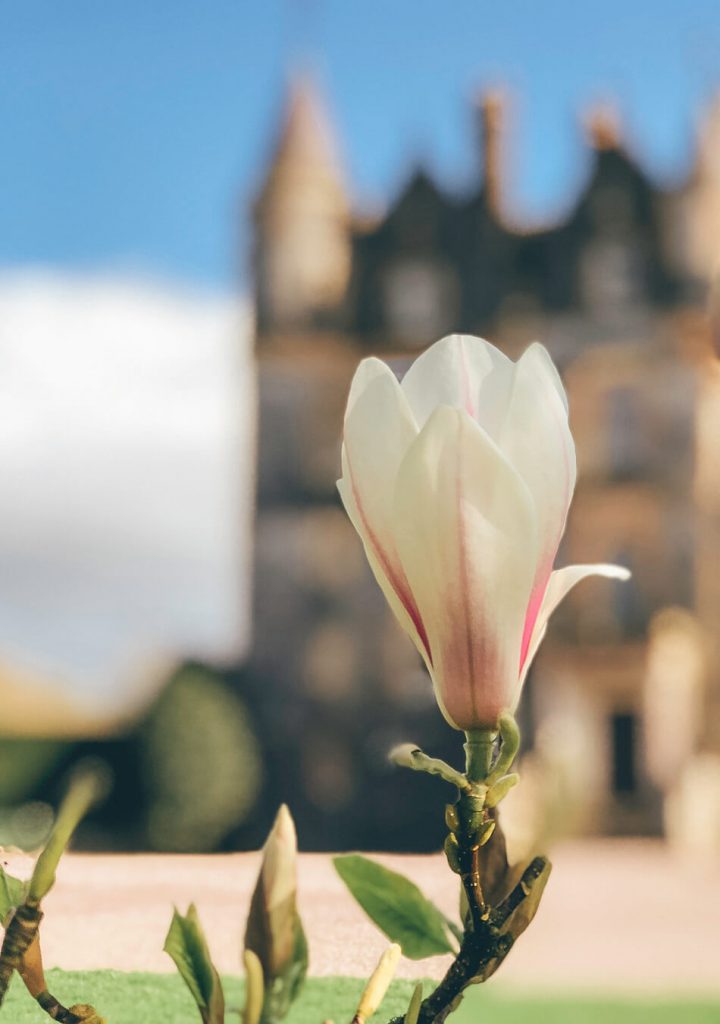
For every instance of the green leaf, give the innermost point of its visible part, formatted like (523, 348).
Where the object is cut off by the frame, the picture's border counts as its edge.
(396, 906)
(299, 965)
(187, 946)
(454, 929)
(12, 894)
(284, 989)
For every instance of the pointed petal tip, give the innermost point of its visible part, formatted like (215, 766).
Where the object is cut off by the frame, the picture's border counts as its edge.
(613, 572)
(368, 371)
(283, 829)
(537, 351)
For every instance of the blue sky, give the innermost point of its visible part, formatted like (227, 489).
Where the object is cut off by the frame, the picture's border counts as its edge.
(134, 133)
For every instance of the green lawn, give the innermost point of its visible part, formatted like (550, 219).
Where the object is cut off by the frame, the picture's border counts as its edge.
(163, 999)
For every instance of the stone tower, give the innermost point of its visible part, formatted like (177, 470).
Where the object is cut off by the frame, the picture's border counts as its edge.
(302, 243)
(696, 222)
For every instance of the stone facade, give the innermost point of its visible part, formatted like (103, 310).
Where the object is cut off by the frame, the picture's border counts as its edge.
(617, 291)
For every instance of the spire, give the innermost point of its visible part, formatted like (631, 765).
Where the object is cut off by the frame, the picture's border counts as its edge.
(708, 151)
(699, 202)
(305, 154)
(302, 223)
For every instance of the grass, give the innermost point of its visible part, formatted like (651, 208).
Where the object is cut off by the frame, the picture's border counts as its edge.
(163, 999)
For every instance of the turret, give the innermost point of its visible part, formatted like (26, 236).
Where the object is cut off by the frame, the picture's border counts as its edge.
(302, 242)
(691, 214)
(702, 200)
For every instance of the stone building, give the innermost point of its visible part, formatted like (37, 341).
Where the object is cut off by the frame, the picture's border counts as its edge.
(617, 291)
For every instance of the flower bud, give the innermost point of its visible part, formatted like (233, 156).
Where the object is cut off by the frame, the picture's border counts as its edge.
(458, 481)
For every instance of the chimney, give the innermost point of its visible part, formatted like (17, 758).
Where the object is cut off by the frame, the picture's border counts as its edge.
(603, 126)
(492, 117)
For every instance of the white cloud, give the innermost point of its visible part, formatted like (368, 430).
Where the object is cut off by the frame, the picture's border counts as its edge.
(126, 419)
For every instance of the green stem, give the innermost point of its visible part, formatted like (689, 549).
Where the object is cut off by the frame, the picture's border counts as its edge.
(509, 745)
(84, 791)
(479, 748)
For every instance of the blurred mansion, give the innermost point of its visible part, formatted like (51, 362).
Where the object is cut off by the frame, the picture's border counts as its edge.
(623, 708)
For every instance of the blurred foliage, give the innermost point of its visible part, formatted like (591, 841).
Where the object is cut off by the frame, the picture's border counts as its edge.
(202, 763)
(20, 903)
(23, 764)
(27, 826)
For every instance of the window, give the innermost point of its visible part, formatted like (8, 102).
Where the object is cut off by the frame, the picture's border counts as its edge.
(629, 454)
(420, 300)
(612, 276)
(623, 743)
(631, 604)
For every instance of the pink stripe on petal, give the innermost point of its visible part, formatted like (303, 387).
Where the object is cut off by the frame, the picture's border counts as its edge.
(395, 575)
(542, 577)
(471, 685)
(466, 389)
(464, 609)
(472, 689)
(533, 610)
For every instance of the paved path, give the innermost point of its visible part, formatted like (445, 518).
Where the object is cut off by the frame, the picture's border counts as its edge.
(622, 915)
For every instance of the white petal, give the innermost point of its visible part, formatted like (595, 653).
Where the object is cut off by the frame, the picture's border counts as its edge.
(379, 428)
(561, 583)
(464, 372)
(368, 371)
(537, 441)
(465, 533)
(547, 366)
(536, 438)
(386, 569)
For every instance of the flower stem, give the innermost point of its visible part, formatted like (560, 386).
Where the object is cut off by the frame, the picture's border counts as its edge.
(479, 748)
(487, 936)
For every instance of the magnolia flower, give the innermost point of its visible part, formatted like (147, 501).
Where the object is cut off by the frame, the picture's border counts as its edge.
(458, 481)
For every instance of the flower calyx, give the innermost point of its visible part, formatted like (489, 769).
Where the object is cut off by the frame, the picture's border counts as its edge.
(471, 820)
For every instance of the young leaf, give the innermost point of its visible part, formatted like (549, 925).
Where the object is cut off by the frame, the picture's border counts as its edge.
(378, 984)
(254, 988)
(274, 930)
(529, 884)
(396, 905)
(413, 1010)
(526, 910)
(12, 894)
(187, 946)
(493, 863)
